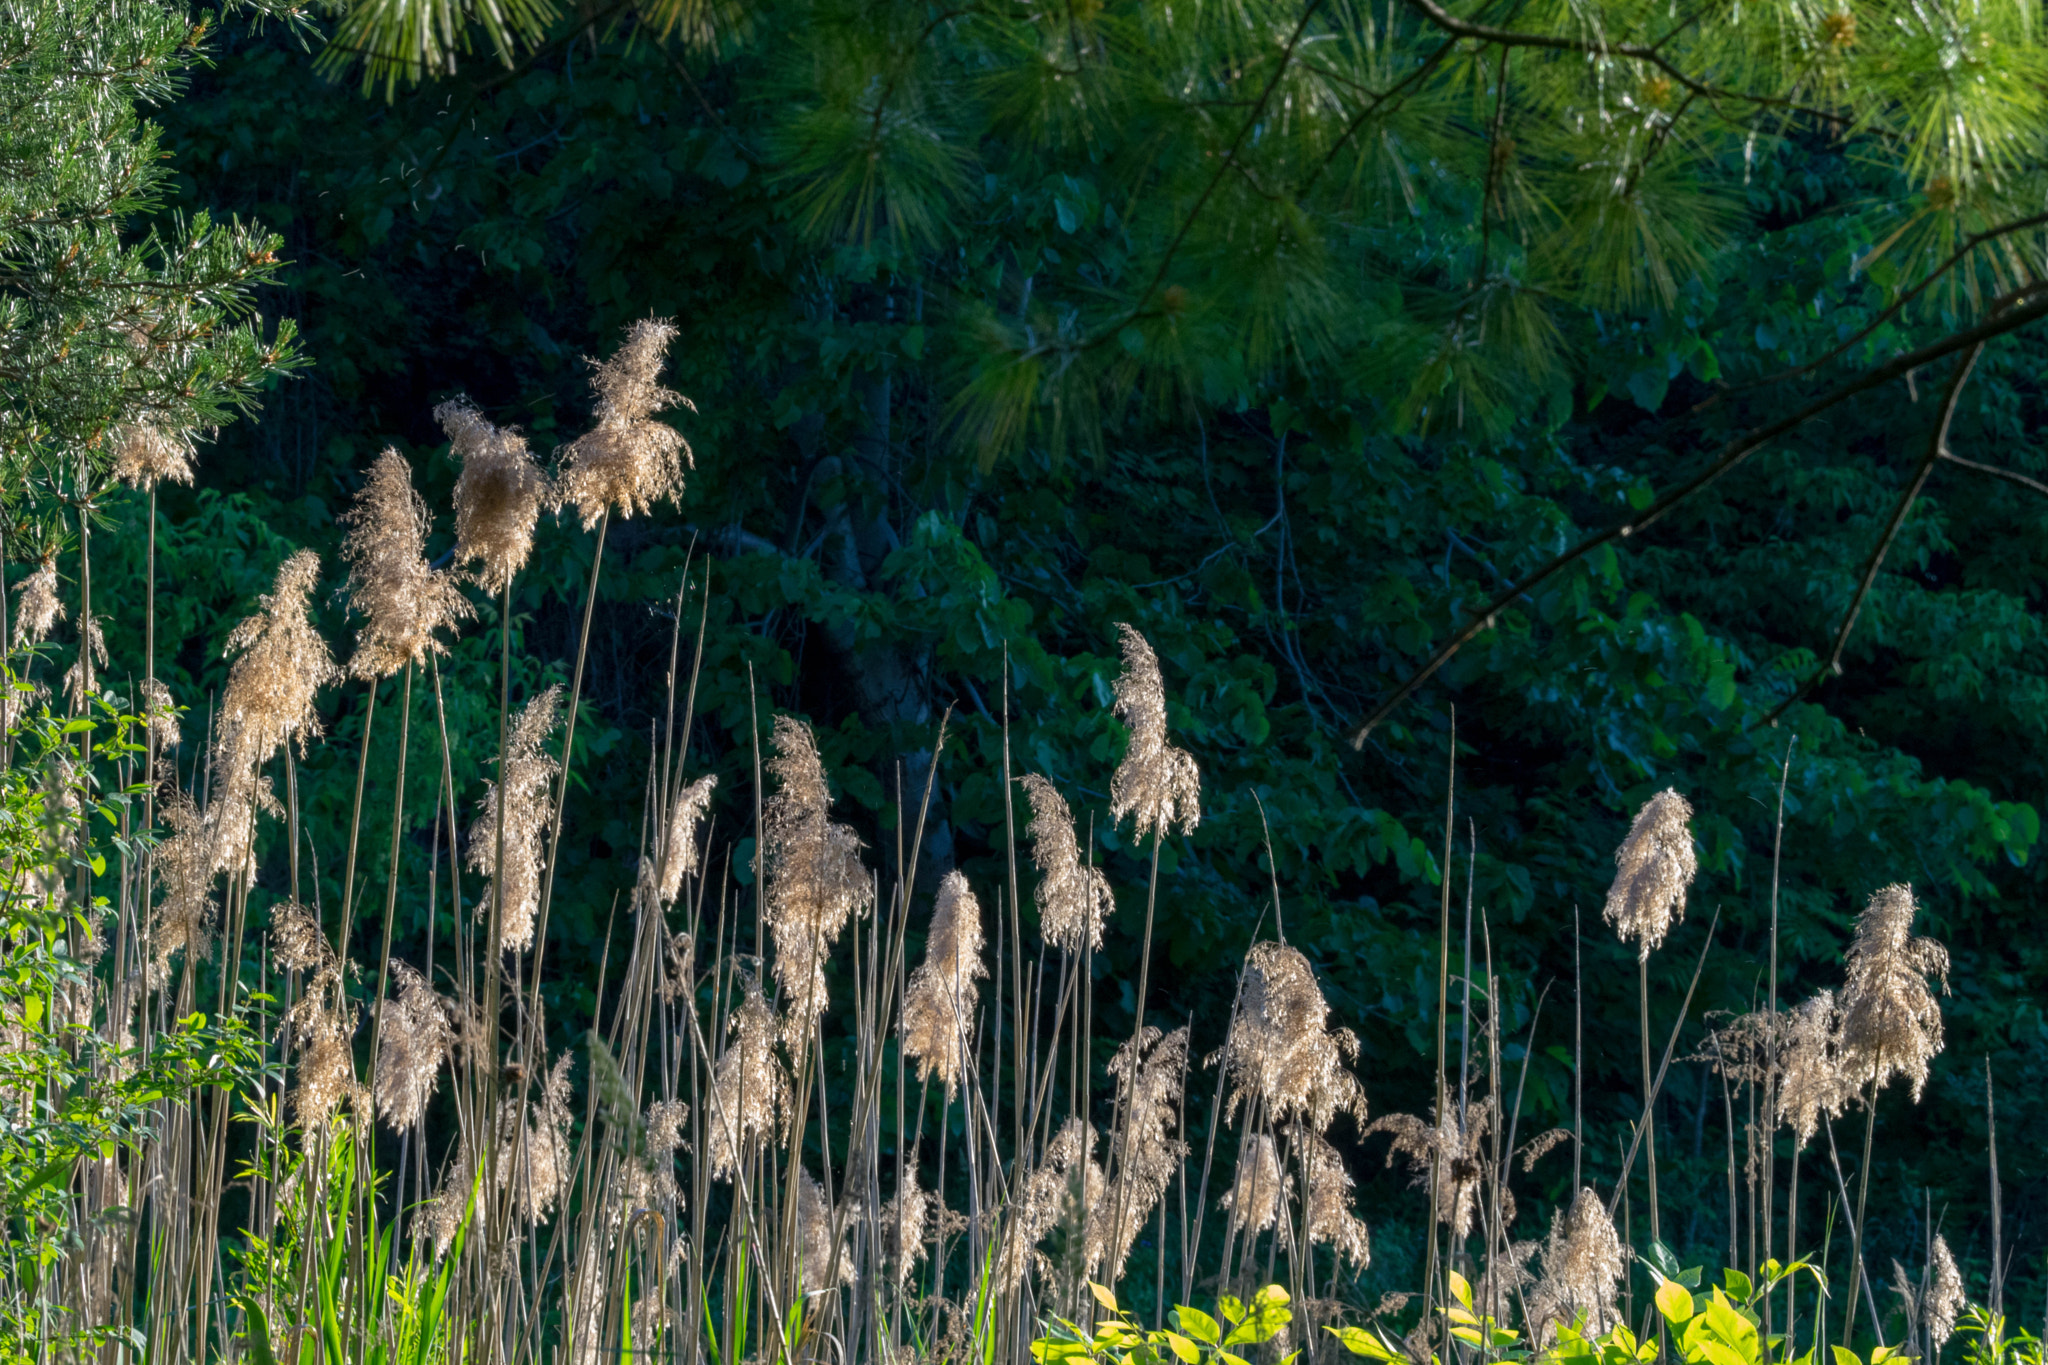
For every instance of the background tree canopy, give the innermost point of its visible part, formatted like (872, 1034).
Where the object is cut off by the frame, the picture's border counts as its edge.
(1301, 336)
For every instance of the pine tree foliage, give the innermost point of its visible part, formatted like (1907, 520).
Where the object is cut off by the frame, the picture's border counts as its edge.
(1445, 202)
(107, 321)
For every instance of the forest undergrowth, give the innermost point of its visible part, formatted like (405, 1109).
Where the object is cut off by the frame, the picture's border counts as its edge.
(838, 1103)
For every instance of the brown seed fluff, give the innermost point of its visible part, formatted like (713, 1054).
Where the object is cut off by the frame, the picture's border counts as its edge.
(1891, 1023)
(679, 856)
(1157, 784)
(1811, 1081)
(413, 1040)
(1067, 1179)
(37, 608)
(1073, 898)
(146, 455)
(826, 1265)
(528, 772)
(1583, 1265)
(939, 1001)
(1148, 1072)
(628, 460)
(498, 495)
(749, 1089)
(1945, 1296)
(1258, 1189)
(184, 866)
(1280, 1048)
(815, 878)
(538, 1170)
(267, 703)
(403, 601)
(905, 1225)
(1653, 867)
(1331, 1219)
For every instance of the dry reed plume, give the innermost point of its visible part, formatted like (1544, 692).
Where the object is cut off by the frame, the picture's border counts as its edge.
(1148, 1071)
(1332, 1221)
(267, 703)
(1258, 1190)
(679, 851)
(184, 865)
(1584, 1263)
(826, 1264)
(537, 1166)
(413, 1040)
(906, 1224)
(528, 771)
(1890, 1022)
(816, 881)
(79, 679)
(498, 495)
(1073, 898)
(1812, 1084)
(750, 1096)
(1654, 866)
(1450, 1158)
(145, 455)
(1281, 1050)
(1067, 1179)
(38, 609)
(1156, 784)
(403, 601)
(628, 460)
(939, 1001)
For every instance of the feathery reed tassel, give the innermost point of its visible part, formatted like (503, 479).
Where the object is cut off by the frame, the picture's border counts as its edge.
(159, 716)
(268, 701)
(184, 865)
(1073, 898)
(38, 608)
(441, 1216)
(1583, 1265)
(939, 1001)
(825, 1266)
(411, 1046)
(906, 1226)
(1259, 1188)
(1280, 1048)
(815, 878)
(1890, 1022)
(1148, 1073)
(528, 771)
(403, 601)
(498, 495)
(628, 460)
(1457, 1159)
(1812, 1083)
(1945, 1297)
(1066, 1181)
(1654, 866)
(537, 1171)
(679, 858)
(750, 1089)
(145, 455)
(321, 1023)
(1156, 784)
(80, 678)
(1331, 1219)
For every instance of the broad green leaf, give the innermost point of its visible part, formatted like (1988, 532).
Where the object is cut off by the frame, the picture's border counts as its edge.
(1674, 1301)
(1104, 1297)
(1199, 1325)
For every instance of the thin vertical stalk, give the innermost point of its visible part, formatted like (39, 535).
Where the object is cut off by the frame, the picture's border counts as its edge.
(1443, 998)
(1649, 1095)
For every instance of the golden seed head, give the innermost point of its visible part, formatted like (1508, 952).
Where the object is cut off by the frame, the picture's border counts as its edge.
(413, 1039)
(628, 460)
(679, 851)
(939, 1000)
(498, 495)
(529, 771)
(1281, 1050)
(1584, 1263)
(1157, 784)
(146, 455)
(1653, 867)
(1073, 898)
(38, 607)
(1890, 1021)
(816, 881)
(403, 601)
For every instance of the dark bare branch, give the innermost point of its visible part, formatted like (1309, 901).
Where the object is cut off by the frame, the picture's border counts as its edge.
(1937, 446)
(2031, 306)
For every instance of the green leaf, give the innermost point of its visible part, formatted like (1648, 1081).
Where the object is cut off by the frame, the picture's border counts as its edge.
(1199, 1325)
(1674, 1302)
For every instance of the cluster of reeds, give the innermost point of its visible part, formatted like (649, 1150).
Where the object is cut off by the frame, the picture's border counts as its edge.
(787, 1136)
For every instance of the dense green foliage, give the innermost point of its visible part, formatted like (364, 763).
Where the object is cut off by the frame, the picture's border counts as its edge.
(1017, 349)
